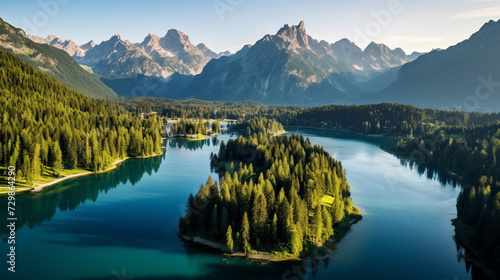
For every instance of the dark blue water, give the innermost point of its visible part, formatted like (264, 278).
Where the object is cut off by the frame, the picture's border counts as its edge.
(122, 224)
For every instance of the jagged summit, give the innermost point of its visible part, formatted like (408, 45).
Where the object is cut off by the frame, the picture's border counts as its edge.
(296, 35)
(116, 37)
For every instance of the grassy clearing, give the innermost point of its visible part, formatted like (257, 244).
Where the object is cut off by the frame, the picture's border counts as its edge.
(86, 68)
(327, 200)
(27, 52)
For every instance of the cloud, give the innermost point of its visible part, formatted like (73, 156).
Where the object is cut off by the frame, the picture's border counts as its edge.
(480, 13)
(415, 39)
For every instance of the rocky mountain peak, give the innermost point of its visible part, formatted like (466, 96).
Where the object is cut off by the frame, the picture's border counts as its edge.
(179, 44)
(115, 38)
(89, 45)
(151, 39)
(377, 49)
(174, 34)
(202, 47)
(296, 35)
(52, 38)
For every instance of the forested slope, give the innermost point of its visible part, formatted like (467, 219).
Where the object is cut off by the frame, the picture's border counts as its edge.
(45, 124)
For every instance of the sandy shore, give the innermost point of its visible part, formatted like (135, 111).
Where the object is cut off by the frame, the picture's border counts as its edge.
(40, 187)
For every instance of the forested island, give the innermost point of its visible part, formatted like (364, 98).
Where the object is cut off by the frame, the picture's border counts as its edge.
(194, 128)
(286, 199)
(258, 125)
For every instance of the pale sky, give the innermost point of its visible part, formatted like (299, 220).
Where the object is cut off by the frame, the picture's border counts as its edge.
(229, 24)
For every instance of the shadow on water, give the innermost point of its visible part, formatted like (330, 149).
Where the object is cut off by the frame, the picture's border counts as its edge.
(33, 209)
(442, 176)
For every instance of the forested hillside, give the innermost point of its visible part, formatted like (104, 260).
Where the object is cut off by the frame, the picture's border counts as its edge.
(52, 61)
(45, 124)
(286, 196)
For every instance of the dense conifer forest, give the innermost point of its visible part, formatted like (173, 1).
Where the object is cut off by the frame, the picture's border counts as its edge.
(47, 127)
(186, 126)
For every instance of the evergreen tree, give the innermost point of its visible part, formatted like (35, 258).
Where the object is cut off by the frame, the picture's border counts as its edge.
(245, 233)
(229, 239)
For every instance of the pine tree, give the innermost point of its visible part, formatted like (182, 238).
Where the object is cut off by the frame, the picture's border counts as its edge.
(259, 215)
(56, 159)
(36, 167)
(318, 224)
(245, 233)
(87, 157)
(294, 240)
(26, 168)
(229, 239)
(327, 224)
(274, 229)
(214, 222)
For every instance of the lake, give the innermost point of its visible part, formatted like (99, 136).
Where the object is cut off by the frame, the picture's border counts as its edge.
(122, 224)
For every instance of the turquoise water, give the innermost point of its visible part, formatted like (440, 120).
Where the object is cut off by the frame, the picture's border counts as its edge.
(122, 224)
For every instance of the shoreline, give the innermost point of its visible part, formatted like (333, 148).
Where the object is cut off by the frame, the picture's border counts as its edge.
(471, 256)
(261, 257)
(265, 257)
(40, 187)
(192, 137)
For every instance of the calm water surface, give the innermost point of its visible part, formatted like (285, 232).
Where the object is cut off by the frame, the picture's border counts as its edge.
(122, 224)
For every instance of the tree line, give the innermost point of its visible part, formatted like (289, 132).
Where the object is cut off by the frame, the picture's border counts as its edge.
(285, 195)
(388, 119)
(193, 108)
(47, 126)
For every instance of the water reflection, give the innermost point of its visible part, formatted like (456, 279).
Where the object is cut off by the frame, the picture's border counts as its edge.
(442, 176)
(193, 145)
(33, 209)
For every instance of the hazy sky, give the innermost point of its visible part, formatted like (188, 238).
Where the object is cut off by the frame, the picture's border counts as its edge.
(414, 25)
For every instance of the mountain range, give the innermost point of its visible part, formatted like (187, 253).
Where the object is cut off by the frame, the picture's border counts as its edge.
(155, 56)
(289, 67)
